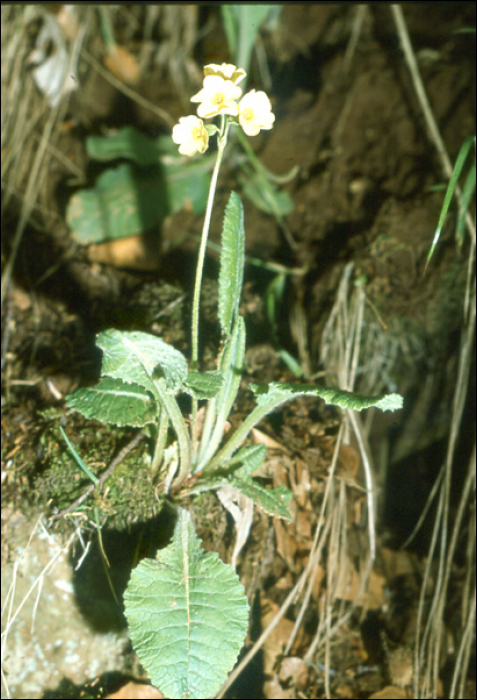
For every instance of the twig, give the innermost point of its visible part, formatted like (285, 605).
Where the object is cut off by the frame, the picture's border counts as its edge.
(132, 94)
(6, 326)
(361, 12)
(116, 461)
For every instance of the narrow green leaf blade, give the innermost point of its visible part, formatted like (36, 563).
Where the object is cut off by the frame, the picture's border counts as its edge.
(242, 24)
(265, 195)
(114, 401)
(272, 501)
(140, 358)
(249, 459)
(276, 393)
(231, 365)
(231, 262)
(78, 459)
(187, 615)
(459, 164)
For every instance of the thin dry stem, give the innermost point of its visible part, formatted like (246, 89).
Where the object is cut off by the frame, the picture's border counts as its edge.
(434, 132)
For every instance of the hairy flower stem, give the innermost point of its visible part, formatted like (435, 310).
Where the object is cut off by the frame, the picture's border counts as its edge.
(221, 143)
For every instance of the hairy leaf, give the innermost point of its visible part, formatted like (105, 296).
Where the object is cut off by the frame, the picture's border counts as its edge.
(203, 385)
(273, 501)
(114, 401)
(140, 358)
(276, 393)
(231, 263)
(188, 616)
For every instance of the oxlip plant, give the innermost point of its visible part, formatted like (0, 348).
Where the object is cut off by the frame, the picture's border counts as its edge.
(187, 611)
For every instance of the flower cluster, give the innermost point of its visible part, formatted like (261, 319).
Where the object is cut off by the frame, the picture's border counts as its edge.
(219, 95)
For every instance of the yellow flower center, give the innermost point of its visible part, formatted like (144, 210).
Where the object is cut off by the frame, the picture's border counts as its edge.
(247, 114)
(197, 133)
(218, 98)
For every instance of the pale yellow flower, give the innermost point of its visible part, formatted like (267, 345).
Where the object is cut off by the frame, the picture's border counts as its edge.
(255, 112)
(217, 97)
(227, 71)
(191, 134)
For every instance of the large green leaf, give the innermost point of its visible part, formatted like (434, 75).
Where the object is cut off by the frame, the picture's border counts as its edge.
(143, 359)
(232, 256)
(131, 144)
(128, 200)
(203, 385)
(114, 401)
(140, 357)
(188, 616)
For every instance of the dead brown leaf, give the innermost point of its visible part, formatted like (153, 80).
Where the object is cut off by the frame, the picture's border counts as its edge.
(123, 65)
(134, 252)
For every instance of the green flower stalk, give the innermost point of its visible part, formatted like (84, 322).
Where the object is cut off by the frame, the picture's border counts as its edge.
(217, 98)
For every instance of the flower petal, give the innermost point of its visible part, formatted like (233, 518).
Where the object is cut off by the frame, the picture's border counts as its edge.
(227, 71)
(217, 97)
(255, 112)
(191, 135)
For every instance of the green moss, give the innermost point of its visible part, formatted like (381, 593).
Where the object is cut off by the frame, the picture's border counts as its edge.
(127, 496)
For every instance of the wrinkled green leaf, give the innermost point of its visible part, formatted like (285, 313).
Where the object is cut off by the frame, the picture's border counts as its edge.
(203, 385)
(231, 262)
(273, 501)
(187, 615)
(114, 401)
(137, 357)
(276, 393)
(249, 458)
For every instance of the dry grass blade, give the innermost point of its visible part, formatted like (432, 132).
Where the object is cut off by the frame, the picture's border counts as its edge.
(129, 92)
(427, 650)
(425, 106)
(11, 609)
(341, 347)
(25, 162)
(320, 538)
